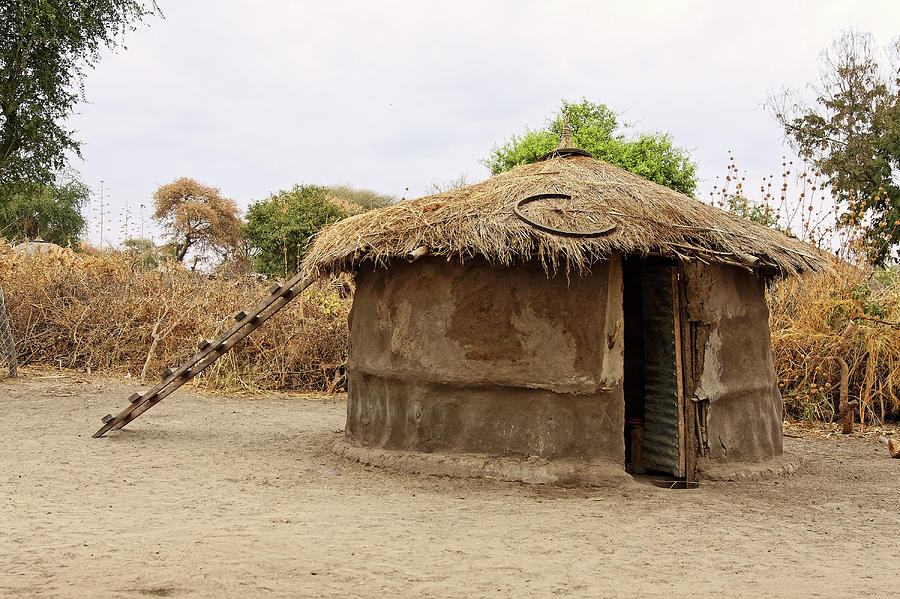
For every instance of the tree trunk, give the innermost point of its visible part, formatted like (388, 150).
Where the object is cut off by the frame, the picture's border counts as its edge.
(182, 250)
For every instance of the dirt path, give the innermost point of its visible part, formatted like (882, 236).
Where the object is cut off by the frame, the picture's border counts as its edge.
(212, 496)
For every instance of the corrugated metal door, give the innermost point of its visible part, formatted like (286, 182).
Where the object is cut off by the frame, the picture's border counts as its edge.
(662, 406)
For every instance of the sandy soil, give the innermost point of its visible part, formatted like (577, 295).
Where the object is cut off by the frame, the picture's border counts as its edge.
(215, 496)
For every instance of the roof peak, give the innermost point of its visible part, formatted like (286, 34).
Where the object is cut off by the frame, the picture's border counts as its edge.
(565, 147)
(565, 141)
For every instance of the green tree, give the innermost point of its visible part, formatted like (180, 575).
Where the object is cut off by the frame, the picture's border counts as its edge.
(52, 212)
(758, 213)
(596, 128)
(280, 227)
(45, 47)
(851, 133)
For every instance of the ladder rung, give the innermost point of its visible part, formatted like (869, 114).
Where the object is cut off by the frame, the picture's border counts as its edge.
(166, 373)
(240, 315)
(202, 344)
(107, 418)
(274, 288)
(134, 397)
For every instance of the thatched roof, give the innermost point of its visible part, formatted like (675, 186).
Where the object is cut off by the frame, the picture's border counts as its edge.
(479, 220)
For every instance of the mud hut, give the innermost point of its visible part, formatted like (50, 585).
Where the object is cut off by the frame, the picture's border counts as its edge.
(566, 320)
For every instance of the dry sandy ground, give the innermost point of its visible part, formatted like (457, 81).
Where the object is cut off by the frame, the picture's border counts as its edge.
(214, 496)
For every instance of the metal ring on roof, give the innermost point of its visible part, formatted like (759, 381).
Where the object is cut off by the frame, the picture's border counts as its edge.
(547, 228)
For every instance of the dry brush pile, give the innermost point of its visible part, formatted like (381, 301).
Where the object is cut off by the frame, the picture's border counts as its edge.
(103, 312)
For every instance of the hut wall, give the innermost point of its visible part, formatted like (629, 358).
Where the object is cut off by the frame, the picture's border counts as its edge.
(501, 361)
(727, 308)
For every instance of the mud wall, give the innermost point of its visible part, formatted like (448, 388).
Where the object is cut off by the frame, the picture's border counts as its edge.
(726, 306)
(501, 361)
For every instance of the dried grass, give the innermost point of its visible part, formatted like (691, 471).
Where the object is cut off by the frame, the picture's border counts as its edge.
(479, 220)
(103, 312)
(849, 314)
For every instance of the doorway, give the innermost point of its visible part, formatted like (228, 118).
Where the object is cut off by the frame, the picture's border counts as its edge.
(654, 415)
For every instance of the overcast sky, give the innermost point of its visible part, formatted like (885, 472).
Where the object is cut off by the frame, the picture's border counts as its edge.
(256, 96)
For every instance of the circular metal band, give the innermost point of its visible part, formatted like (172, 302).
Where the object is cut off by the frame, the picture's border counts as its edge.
(548, 229)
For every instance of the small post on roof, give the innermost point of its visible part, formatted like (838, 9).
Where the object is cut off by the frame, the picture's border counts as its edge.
(565, 141)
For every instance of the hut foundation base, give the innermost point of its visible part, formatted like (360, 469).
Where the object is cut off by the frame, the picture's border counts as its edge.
(559, 472)
(785, 464)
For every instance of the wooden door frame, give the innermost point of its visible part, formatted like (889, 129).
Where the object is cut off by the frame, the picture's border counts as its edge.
(679, 374)
(686, 409)
(686, 352)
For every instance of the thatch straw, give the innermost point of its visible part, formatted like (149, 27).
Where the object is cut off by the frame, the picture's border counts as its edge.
(478, 220)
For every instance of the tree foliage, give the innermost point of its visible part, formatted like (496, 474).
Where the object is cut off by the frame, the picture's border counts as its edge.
(280, 227)
(596, 128)
(758, 213)
(851, 133)
(52, 212)
(45, 47)
(196, 216)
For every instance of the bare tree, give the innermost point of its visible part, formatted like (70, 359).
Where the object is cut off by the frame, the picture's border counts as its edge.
(435, 187)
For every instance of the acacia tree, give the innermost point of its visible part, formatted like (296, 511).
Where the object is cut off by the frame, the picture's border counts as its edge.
(196, 216)
(596, 128)
(45, 48)
(851, 133)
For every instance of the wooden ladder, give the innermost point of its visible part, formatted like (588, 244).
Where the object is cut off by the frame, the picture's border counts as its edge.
(210, 351)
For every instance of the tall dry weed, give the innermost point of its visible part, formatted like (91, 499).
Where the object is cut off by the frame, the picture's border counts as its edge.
(852, 314)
